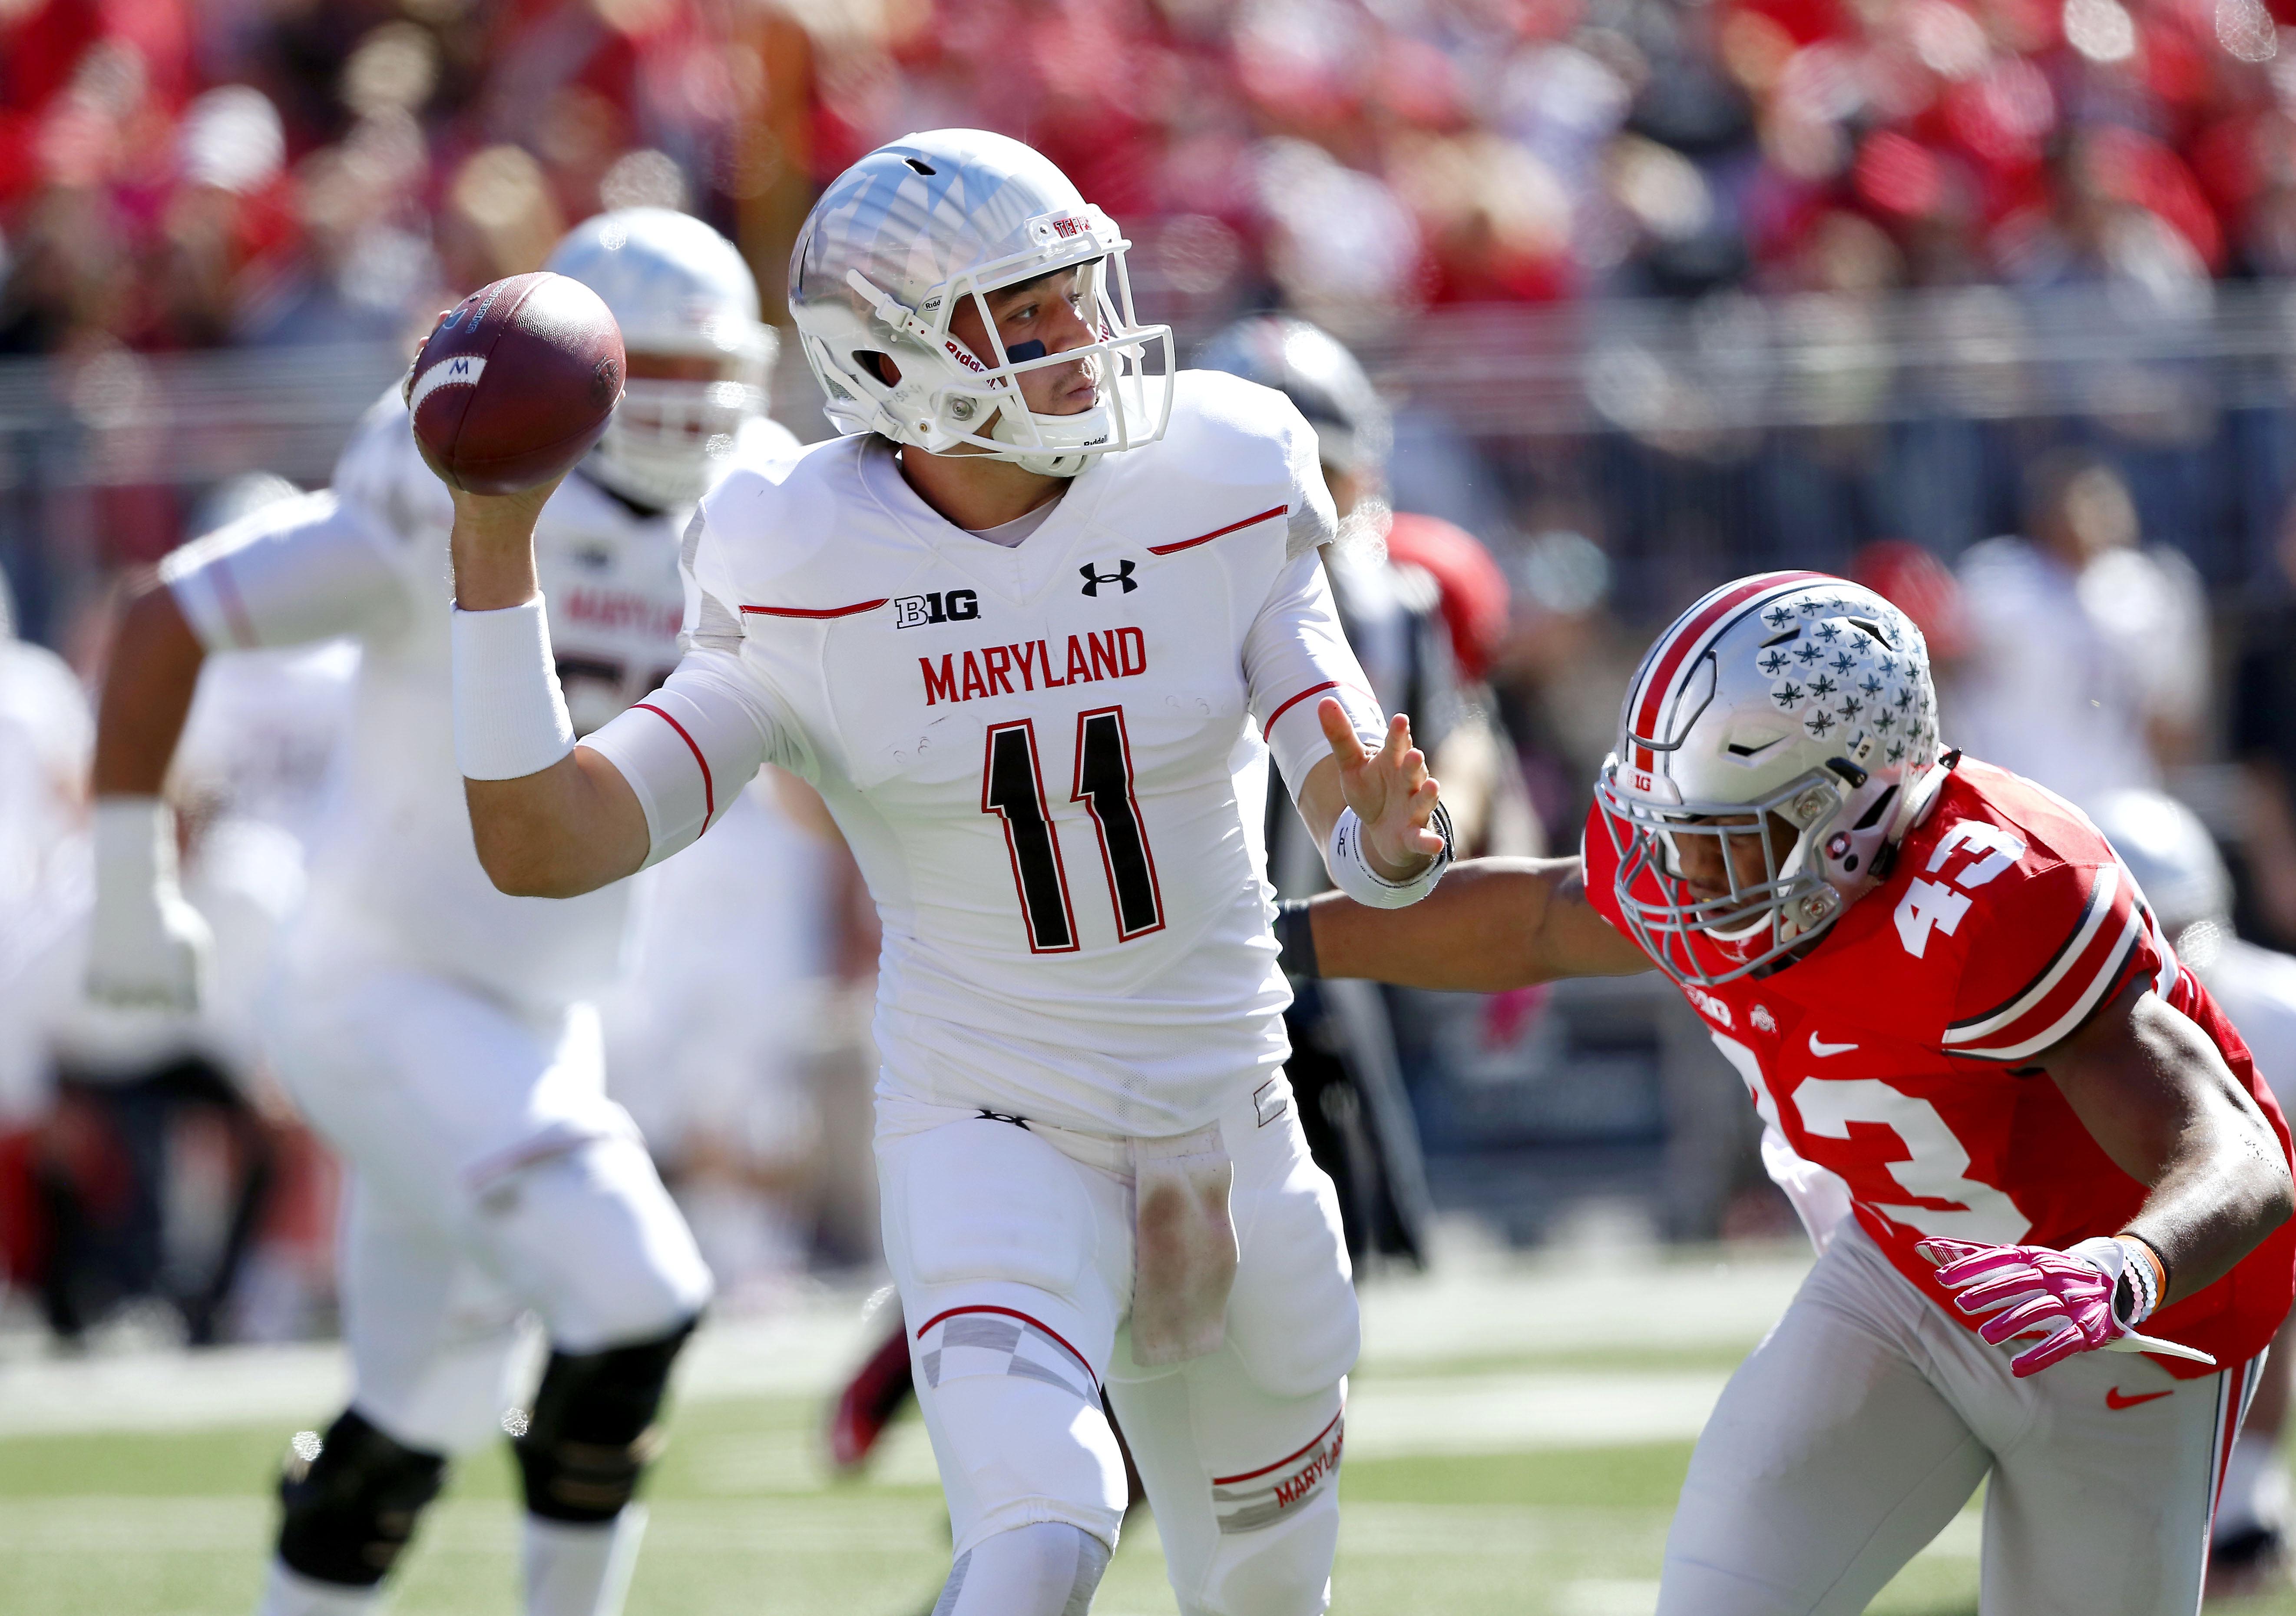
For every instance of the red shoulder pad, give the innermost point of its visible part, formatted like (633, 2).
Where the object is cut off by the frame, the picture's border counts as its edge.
(2056, 942)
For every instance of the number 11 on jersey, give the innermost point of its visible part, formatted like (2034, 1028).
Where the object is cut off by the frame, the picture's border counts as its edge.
(1013, 788)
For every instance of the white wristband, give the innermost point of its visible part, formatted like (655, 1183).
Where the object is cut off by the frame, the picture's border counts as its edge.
(510, 719)
(135, 840)
(1352, 874)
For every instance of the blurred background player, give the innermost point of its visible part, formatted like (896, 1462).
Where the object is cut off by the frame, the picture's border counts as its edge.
(2176, 862)
(143, 1090)
(1344, 1065)
(436, 1033)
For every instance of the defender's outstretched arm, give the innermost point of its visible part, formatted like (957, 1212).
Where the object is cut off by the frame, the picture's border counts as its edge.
(574, 825)
(1495, 924)
(2156, 1094)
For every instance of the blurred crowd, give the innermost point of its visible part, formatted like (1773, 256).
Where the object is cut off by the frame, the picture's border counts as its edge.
(179, 175)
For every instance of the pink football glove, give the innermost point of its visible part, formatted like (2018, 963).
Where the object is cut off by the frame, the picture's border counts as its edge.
(2064, 1297)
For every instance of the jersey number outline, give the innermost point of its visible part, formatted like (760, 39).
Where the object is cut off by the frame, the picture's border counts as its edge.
(1928, 904)
(1013, 788)
(1936, 1167)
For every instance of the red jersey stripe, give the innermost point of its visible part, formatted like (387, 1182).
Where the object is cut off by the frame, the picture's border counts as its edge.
(709, 786)
(2096, 910)
(1205, 538)
(815, 612)
(2096, 963)
(1292, 701)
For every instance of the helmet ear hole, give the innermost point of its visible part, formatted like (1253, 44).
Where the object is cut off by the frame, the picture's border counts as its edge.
(880, 365)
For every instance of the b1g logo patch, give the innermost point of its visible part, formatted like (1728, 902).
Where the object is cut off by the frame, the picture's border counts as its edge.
(952, 606)
(1262, 1498)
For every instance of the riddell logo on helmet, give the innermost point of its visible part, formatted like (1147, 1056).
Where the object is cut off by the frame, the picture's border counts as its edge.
(962, 357)
(1067, 224)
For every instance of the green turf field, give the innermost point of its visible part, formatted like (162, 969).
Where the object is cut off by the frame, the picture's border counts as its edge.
(1477, 1480)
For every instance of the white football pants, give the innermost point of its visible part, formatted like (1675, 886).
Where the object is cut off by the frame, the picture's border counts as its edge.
(1864, 1422)
(491, 1179)
(1015, 1262)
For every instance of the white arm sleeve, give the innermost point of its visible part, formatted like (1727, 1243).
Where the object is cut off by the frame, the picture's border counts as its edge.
(302, 569)
(690, 748)
(1295, 656)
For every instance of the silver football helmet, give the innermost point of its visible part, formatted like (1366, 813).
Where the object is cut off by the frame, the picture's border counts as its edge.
(679, 290)
(897, 244)
(1791, 712)
(1314, 369)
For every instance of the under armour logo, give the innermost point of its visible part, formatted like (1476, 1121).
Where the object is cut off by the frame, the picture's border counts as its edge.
(1093, 579)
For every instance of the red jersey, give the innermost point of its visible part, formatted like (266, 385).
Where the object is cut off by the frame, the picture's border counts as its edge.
(1898, 1052)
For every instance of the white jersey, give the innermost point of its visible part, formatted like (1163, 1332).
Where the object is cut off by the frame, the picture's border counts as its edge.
(2256, 988)
(395, 878)
(1048, 760)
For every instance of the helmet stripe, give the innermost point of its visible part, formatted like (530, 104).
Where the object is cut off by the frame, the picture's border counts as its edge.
(1676, 651)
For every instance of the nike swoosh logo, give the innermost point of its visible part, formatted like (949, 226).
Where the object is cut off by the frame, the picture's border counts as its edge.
(1822, 1050)
(2114, 1400)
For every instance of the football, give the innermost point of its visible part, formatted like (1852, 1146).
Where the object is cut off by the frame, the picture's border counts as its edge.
(515, 383)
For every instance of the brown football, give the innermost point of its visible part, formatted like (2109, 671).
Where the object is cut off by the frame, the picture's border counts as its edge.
(515, 383)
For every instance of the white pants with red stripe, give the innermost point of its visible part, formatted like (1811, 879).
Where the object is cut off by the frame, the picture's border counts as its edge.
(1013, 1256)
(1867, 1419)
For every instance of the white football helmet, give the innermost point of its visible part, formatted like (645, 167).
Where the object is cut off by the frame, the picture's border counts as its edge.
(2176, 866)
(1791, 710)
(902, 237)
(680, 289)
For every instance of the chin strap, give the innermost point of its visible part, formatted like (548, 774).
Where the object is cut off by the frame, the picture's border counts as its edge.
(891, 310)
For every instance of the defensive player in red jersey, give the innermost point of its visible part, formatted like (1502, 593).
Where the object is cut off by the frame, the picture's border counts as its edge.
(2043, 1144)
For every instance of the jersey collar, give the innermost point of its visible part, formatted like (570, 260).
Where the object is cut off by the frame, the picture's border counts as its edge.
(1017, 573)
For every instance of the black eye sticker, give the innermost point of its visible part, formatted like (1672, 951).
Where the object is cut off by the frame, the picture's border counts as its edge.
(1020, 353)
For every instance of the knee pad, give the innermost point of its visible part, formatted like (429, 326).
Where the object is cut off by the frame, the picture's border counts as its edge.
(1048, 1569)
(1018, 1448)
(349, 1508)
(592, 1432)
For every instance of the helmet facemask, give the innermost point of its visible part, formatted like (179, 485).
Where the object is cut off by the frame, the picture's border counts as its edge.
(1776, 898)
(668, 438)
(947, 399)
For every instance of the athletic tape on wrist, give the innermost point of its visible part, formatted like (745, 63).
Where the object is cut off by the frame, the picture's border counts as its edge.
(2148, 1276)
(1352, 874)
(509, 719)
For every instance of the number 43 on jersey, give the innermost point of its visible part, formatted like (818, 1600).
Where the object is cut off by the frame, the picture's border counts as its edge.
(1013, 788)
(1935, 905)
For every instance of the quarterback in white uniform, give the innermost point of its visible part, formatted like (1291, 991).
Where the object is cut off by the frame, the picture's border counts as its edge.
(1032, 627)
(437, 1031)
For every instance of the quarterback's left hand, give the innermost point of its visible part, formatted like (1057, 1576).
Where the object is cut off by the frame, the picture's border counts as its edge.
(1389, 790)
(2074, 1299)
